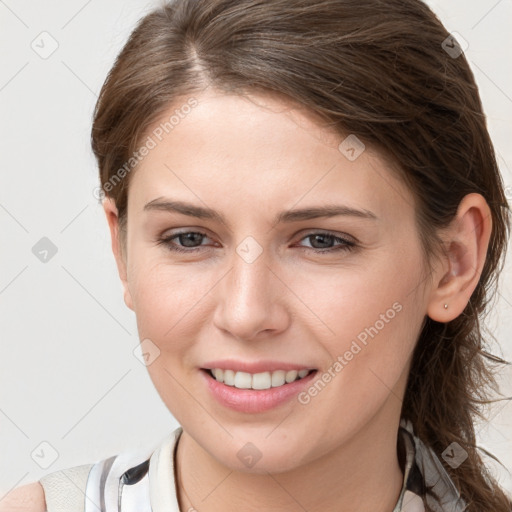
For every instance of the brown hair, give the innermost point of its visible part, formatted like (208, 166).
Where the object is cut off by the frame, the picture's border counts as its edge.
(380, 70)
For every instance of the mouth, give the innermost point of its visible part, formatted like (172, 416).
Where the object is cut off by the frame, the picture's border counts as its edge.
(248, 398)
(257, 381)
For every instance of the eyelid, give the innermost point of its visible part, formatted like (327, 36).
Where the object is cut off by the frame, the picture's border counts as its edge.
(301, 234)
(344, 241)
(327, 232)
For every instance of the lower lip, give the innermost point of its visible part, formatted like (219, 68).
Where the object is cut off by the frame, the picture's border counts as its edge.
(251, 400)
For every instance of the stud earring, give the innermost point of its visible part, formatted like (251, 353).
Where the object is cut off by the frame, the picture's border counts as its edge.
(446, 306)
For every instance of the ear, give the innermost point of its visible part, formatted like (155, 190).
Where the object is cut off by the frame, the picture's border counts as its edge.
(466, 242)
(112, 215)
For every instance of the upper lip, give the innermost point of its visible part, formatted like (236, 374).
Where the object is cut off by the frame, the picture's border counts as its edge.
(254, 367)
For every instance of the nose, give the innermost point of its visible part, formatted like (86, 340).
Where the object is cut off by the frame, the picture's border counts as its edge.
(251, 300)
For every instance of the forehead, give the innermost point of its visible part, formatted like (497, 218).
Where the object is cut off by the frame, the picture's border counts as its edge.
(259, 152)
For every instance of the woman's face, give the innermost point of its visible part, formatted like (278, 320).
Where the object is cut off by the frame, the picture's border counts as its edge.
(250, 290)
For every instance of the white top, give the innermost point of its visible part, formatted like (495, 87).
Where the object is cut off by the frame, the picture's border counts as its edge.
(139, 482)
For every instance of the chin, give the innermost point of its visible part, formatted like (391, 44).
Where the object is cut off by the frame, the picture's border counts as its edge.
(260, 455)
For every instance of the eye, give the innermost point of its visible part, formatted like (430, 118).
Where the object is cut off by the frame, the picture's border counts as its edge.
(190, 241)
(189, 238)
(326, 238)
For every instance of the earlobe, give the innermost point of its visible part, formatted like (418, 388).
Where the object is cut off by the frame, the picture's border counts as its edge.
(112, 215)
(466, 243)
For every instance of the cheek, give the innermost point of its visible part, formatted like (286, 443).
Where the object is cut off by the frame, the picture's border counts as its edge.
(370, 303)
(162, 307)
(367, 318)
(344, 302)
(169, 303)
(376, 331)
(169, 312)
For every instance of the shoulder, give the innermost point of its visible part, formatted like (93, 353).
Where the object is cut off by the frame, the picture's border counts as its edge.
(102, 481)
(26, 498)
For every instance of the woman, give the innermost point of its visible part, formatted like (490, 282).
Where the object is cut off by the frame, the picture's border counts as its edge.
(321, 349)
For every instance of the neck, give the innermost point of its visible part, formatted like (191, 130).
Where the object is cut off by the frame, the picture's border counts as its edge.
(363, 474)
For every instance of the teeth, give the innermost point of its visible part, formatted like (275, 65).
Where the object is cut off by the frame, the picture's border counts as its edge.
(291, 375)
(264, 380)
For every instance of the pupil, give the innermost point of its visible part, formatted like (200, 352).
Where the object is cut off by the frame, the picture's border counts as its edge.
(189, 238)
(323, 237)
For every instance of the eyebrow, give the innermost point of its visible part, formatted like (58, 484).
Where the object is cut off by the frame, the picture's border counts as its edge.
(325, 211)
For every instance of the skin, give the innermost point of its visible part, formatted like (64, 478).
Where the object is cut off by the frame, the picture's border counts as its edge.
(26, 498)
(250, 158)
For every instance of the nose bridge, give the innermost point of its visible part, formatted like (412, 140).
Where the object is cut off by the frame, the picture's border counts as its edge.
(250, 274)
(247, 296)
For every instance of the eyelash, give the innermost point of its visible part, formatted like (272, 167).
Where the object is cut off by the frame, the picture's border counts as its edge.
(346, 245)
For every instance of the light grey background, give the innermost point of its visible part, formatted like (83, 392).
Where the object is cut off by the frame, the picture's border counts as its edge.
(68, 375)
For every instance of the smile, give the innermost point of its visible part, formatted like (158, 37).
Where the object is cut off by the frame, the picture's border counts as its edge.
(263, 380)
(253, 399)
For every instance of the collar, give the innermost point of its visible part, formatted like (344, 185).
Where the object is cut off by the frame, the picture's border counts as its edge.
(426, 482)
